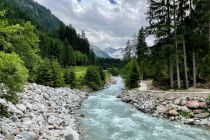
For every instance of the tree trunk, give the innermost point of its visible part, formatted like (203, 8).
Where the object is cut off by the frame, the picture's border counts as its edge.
(177, 52)
(171, 71)
(194, 69)
(209, 32)
(177, 66)
(185, 65)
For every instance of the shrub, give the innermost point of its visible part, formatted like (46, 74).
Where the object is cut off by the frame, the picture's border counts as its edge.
(13, 76)
(102, 75)
(93, 78)
(114, 71)
(70, 78)
(50, 74)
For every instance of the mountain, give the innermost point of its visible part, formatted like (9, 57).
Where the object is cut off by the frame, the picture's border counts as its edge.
(115, 53)
(28, 10)
(99, 52)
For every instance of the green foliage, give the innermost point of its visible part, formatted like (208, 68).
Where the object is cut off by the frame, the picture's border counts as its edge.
(13, 76)
(102, 75)
(142, 53)
(50, 74)
(186, 114)
(79, 71)
(113, 71)
(4, 111)
(25, 43)
(132, 75)
(94, 78)
(28, 10)
(70, 78)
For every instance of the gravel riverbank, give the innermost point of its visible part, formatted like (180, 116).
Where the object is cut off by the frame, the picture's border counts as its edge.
(187, 108)
(43, 113)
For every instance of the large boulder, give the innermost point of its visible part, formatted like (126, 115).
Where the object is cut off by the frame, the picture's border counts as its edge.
(192, 104)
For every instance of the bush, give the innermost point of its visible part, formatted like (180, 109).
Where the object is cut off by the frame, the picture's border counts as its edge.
(132, 75)
(114, 71)
(50, 74)
(102, 75)
(94, 78)
(70, 78)
(13, 76)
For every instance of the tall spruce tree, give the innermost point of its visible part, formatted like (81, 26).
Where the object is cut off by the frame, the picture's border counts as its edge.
(160, 16)
(142, 51)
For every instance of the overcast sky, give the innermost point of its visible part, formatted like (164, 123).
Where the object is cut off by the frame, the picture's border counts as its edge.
(107, 23)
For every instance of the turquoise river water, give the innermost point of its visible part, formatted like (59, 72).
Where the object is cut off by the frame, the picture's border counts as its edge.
(108, 118)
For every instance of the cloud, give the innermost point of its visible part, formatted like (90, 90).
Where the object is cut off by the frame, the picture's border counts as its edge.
(107, 23)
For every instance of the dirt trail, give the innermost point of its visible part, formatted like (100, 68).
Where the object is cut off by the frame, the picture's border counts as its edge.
(146, 86)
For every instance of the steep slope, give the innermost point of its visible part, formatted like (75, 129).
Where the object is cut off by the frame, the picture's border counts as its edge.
(99, 52)
(28, 10)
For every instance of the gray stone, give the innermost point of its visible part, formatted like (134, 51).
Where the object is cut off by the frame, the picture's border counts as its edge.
(185, 109)
(10, 137)
(189, 121)
(54, 120)
(69, 137)
(3, 102)
(29, 136)
(21, 107)
(202, 115)
(12, 108)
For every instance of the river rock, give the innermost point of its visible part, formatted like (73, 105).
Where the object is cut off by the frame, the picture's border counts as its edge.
(21, 107)
(173, 112)
(3, 102)
(177, 101)
(189, 121)
(71, 135)
(13, 109)
(197, 111)
(161, 108)
(202, 105)
(29, 136)
(202, 115)
(192, 104)
(43, 113)
(185, 109)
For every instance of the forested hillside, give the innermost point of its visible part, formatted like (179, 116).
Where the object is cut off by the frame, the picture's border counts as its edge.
(29, 10)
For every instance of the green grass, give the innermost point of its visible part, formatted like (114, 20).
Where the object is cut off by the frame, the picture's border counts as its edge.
(80, 71)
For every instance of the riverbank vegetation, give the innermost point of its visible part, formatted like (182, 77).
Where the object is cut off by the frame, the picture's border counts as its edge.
(180, 56)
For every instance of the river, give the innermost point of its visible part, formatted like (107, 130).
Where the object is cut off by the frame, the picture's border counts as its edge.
(108, 118)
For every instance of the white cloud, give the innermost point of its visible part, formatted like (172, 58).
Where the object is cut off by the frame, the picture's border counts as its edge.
(106, 24)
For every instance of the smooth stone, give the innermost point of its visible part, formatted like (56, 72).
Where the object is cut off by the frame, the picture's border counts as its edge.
(202, 115)
(173, 112)
(29, 136)
(21, 107)
(192, 104)
(13, 109)
(3, 102)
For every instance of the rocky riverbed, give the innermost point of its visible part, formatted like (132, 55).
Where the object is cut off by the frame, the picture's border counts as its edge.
(187, 108)
(43, 113)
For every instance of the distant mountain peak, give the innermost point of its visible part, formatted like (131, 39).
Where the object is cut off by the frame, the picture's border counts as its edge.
(99, 52)
(115, 53)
